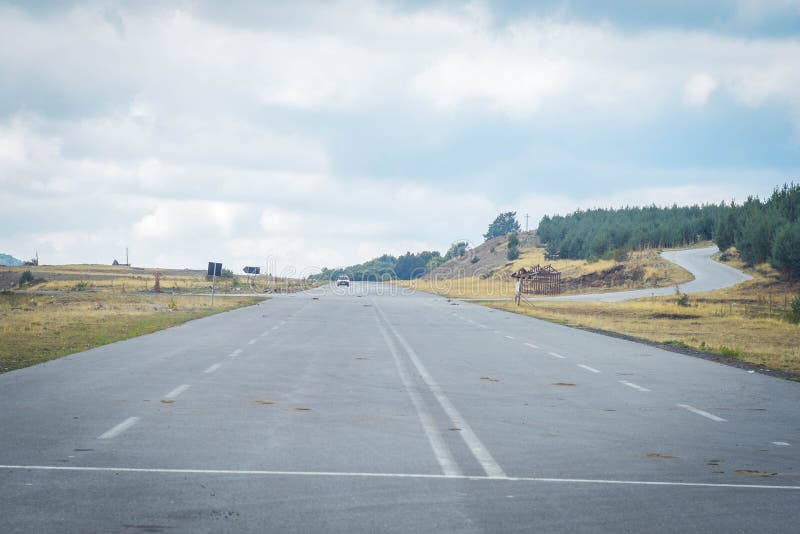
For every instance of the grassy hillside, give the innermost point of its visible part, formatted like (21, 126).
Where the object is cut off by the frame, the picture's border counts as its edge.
(484, 272)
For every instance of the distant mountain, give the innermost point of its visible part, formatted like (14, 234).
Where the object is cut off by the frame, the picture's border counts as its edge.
(9, 261)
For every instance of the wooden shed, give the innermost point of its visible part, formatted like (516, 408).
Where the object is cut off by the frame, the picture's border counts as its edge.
(539, 280)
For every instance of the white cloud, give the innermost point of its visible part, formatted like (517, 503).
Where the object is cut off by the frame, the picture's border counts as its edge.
(698, 88)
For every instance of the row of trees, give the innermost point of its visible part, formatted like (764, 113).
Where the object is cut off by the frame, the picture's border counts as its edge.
(600, 233)
(387, 267)
(765, 231)
(762, 231)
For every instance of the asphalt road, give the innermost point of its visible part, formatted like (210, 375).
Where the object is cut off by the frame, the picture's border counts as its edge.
(373, 409)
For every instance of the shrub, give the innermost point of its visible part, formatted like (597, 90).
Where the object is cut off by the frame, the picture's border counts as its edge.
(474, 259)
(617, 254)
(794, 310)
(683, 300)
(26, 278)
(513, 253)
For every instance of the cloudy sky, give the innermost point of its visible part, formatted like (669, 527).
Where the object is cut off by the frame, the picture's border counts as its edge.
(309, 134)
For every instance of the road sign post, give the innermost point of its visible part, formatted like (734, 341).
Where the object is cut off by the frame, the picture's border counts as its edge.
(214, 270)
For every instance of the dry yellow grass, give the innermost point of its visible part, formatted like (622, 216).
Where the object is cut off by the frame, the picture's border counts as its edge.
(37, 328)
(124, 279)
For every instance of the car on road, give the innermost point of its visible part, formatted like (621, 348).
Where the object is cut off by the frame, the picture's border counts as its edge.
(343, 281)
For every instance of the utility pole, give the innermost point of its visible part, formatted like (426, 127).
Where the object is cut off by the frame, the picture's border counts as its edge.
(127, 261)
(526, 221)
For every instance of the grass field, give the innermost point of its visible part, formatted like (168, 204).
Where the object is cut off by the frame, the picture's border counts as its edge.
(124, 279)
(746, 322)
(37, 328)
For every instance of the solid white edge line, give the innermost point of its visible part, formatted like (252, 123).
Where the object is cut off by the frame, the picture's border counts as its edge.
(531, 345)
(556, 355)
(476, 446)
(702, 413)
(590, 369)
(213, 368)
(440, 449)
(120, 428)
(255, 472)
(632, 385)
(175, 393)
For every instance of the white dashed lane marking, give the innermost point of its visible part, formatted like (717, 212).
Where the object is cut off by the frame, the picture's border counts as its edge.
(780, 443)
(531, 345)
(235, 353)
(556, 355)
(213, 368)
(590, 369)
(510, 337)
(632, 385)
(702, 413)
(252, 341)
(175, 393)
(120, 428)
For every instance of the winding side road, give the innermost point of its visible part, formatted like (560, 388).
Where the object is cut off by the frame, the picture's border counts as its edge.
(708, 276)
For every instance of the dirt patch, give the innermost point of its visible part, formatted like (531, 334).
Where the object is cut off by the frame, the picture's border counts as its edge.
(677, 316)
(660, 455)
(570, 384)
(753, 472)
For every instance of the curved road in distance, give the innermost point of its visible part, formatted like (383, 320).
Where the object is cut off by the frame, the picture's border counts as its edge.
(708, 276)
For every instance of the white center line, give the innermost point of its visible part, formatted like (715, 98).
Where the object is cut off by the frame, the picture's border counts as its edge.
(703, 413)
(509, 337)
(780, 443)
(235, 353)
(476, 446)
(632, 385)
(531, 345)
(556, 355)
(440, 449)
(213, 368)
(175, 393)
(344, 474)
(590, 369)
(252, 341)
(120, 428)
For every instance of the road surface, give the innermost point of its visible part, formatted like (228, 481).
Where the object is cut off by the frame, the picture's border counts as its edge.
(375, 409)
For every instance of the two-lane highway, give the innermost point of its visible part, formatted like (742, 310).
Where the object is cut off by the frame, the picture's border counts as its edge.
(373, 409)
